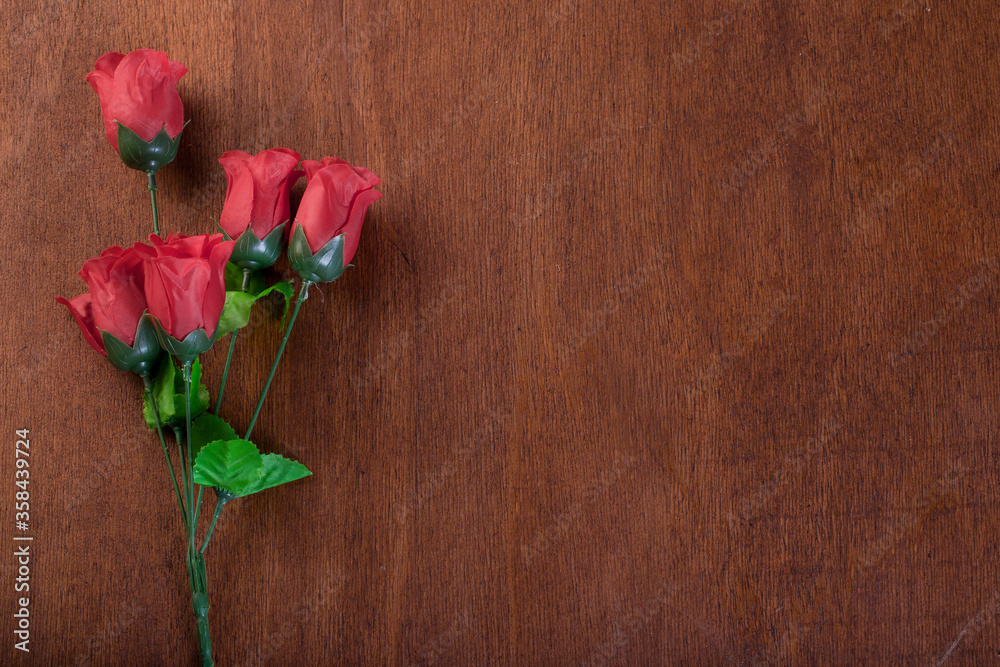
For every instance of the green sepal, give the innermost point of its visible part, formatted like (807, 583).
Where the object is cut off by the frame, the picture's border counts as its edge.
(236, 468)
(236, 311)
(142, 355)
(168, 392)
(252, 252)
(147, 156)
(325, 266)
(195, 343)
(209, 428)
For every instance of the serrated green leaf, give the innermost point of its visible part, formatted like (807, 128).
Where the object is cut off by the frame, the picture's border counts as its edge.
(209, 428)
(275, 470)
(228, 464)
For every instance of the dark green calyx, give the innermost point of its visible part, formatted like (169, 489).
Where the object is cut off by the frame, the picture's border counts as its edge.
(147, 156)
(325, 266)
(195, 343)
(254, 253)
(141, 356)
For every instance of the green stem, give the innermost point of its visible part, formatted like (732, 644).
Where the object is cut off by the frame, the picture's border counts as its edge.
(187, 402)
(152, 196)
(303, 295)
(184, 479)
(232, 345)
(219, 504)
(148, 382)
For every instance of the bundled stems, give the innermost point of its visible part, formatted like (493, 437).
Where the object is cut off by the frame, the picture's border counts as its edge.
(232, 345)
(148, 383)
(303, 295)
(152, 196)
(195, 559)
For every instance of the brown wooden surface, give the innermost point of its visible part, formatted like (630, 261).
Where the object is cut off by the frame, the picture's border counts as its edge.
(673, 339)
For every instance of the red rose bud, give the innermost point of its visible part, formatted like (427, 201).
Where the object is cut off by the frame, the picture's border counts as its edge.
(327, 227)
(256, 207)
(143, 113)
(111, 314)
(185, 290)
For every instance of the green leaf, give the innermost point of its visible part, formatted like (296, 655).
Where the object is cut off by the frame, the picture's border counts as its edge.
(236, 311)
(236, 466)
(209, 428)
(168, 392)
(228, 464)
(275, 470)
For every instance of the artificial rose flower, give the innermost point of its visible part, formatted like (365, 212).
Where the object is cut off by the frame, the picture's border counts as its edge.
(139, 90)
(257, 196)
(116, 300)
(185, 282)
(335, 201)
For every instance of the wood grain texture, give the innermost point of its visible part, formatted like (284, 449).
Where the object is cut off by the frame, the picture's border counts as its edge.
(673, 340)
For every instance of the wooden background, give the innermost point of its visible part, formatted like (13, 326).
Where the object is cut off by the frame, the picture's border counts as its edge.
(673, 339)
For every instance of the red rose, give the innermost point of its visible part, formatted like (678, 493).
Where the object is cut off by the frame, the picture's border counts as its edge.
(185, 282)
(335, 201)
(257, 197)
(116, 299)
(140, 92)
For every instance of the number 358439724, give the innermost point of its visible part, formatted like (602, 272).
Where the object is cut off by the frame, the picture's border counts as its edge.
(22, 477)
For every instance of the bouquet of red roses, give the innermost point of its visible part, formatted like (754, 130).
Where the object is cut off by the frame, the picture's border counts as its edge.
(154, 307)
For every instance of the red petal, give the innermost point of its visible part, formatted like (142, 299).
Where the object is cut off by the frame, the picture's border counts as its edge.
(80, 307)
